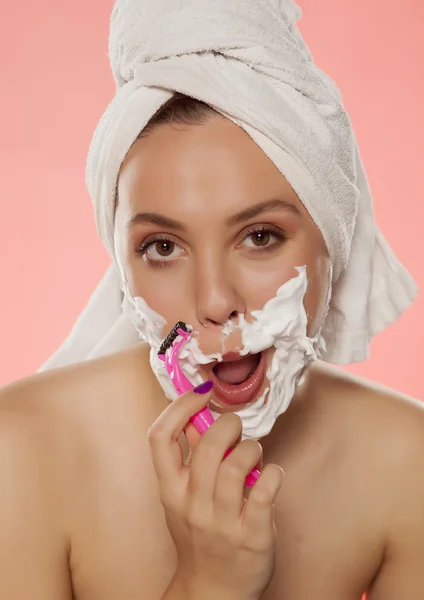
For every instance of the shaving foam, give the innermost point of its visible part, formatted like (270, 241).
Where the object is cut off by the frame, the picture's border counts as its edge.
(282, 323)
(151, 327)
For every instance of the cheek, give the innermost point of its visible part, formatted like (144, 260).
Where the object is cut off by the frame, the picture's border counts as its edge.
(263, 285)
(164, 290)
(260, 283)
(315, 300)
(309, 249)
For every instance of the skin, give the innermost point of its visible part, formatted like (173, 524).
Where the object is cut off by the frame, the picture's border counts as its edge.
(218, 263)
(80, 509)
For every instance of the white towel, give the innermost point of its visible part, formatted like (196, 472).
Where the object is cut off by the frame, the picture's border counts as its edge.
(247, 60)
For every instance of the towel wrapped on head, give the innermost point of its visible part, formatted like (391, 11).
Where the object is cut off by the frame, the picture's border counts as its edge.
(249, 62)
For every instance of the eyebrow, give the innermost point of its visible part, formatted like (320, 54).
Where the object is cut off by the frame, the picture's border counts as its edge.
(261, 208)
(244, 215)
(156, 219)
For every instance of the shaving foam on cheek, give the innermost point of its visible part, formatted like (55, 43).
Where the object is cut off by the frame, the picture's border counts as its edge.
(281, 323)
(151, 327)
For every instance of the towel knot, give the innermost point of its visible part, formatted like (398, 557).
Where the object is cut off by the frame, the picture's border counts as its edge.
(143, 31)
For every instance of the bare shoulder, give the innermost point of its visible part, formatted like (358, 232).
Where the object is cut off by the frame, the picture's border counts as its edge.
(383, 439)
(378, 440)
(35, 542)
(62, 414)
(68, 439)
(74, 391)
(386, 419)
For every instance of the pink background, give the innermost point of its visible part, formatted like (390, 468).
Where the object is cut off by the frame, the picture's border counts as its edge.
(55, 83)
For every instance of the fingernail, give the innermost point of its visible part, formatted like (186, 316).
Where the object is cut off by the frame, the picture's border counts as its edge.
(203, 388)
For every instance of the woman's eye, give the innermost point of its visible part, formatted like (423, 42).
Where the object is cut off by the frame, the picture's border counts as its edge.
(264, 239)
(162, 249)
(260, 238)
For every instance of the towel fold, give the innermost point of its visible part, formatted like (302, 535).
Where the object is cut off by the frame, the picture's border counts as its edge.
(249, 62)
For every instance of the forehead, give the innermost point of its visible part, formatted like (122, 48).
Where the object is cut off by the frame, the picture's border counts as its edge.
(199, 166)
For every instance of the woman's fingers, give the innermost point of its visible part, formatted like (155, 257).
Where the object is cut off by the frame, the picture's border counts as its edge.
(209, 520)
(208, 456)
(192, 435)
(231, 480)
(211, 489)
(163, 438)
(258, 512)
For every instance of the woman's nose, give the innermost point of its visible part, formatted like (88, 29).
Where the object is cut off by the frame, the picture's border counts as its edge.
(217, 299)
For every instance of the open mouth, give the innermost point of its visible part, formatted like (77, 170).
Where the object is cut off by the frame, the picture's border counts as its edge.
(238, 379)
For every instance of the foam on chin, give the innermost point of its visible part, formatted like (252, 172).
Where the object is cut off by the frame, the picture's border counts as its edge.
(281, 323)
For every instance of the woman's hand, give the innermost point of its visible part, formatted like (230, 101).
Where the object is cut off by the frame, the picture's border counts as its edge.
(224, 542)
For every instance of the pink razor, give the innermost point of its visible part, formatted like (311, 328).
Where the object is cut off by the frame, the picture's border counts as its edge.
(169, 354)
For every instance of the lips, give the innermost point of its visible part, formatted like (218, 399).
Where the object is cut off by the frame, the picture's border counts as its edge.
(238, 379)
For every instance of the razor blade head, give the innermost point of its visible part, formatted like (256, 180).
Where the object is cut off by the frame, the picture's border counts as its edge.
(172, 336)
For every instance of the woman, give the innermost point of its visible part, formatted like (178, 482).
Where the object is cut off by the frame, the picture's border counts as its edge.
(263, 240)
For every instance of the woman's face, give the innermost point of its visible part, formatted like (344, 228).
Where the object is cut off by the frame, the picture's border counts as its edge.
(210, 229)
